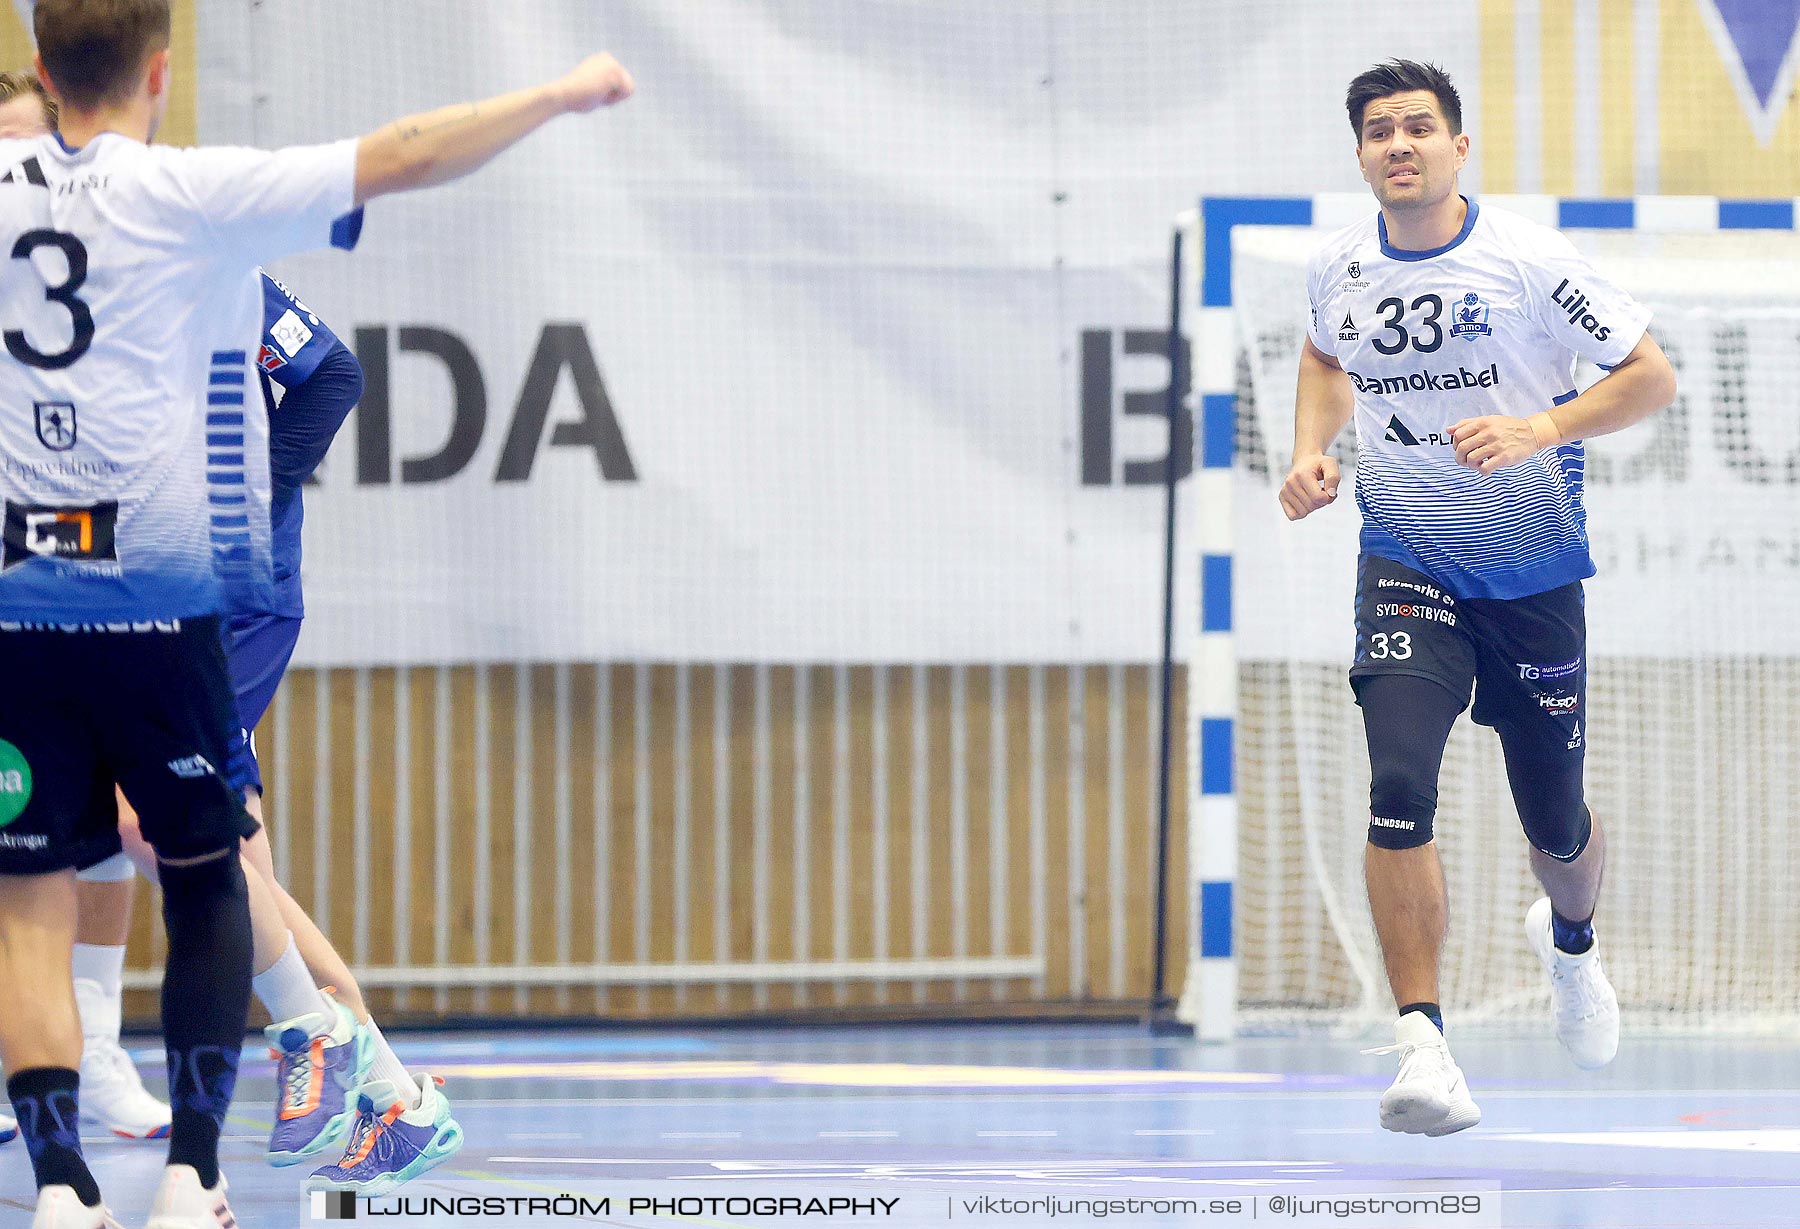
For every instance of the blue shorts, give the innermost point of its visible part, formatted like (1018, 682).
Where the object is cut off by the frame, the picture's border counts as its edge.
(257, 651)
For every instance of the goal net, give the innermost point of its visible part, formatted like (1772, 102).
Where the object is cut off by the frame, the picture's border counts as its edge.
(1693, 693)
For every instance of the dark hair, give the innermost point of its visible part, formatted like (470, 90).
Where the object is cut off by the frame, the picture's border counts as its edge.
(94, 49)
(17, 85)
(1399, 77)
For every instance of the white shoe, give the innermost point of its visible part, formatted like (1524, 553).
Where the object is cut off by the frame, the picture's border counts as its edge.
(59, 1207)
(1587, 1010)
(9, 1128)
(1429, 1096)
(112, 1093)
(182, 1203)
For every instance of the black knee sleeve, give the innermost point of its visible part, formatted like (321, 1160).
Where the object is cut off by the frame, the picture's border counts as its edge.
(1402, 805)
(1408, 720)
(205, 1002)
(1558, 829)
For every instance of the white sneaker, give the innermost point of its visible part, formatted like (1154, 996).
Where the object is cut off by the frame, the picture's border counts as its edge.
(1587, 1010)
(9, 1128)
(1429, 1096)
(59, 1207)
(182, 1203)
(112, 1093)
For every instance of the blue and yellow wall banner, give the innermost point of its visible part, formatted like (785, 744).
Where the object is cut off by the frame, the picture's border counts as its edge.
(1616, 97)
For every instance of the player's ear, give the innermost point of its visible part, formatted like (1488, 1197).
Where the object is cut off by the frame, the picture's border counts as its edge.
(157, 72)
(43, 75)
(1462, 149)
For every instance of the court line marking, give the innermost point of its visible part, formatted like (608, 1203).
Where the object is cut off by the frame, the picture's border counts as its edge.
(859, 1135)
(702, 1135)
(1017, 1134)
(1176, 1131)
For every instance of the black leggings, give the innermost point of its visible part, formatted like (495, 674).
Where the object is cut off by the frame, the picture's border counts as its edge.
(1408, 719)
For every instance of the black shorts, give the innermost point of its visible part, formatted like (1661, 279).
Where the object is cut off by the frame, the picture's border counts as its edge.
(1525, 658)
(146, 705)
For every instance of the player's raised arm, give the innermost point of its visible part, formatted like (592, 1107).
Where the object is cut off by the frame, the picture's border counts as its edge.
(1323, 403)
(439, 146)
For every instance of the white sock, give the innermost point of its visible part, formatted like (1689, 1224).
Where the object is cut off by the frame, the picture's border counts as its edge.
(287, 989)
(388, 1067)
(103, 964)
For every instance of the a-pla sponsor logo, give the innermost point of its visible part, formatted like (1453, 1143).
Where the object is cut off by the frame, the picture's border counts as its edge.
(1427, 381)
(1558, 704)
(1573, 302)
(1559, 670)
(1354, 277)
(1399, 433)
(1471, 318)
(1415, 610)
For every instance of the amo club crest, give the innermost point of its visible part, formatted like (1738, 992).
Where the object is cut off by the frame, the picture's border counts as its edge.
(1471, 318)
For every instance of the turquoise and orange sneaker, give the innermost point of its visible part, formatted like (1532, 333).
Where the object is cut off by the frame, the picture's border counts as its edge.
(392, 1144)
(319, 1063)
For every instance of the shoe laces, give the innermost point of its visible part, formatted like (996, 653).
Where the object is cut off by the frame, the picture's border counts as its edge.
(1432, 1054)
(111, 1059)
(298, 1073)
(1577, 987)
(370, 1127)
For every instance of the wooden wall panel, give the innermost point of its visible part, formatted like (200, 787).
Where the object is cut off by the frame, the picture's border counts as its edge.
(622, 813)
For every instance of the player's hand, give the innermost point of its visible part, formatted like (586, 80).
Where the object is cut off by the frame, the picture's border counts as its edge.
(598, 81)
(1311, 484)
(1495, 441)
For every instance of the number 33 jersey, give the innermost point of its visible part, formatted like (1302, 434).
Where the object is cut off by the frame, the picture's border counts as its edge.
(133, 452)
(1490, 323)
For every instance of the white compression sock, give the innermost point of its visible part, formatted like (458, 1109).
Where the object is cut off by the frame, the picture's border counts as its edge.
(101, 1002)
(389, 1067)
(287, 989)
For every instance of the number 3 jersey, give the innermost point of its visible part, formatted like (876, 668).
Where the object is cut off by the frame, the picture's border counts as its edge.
(133, 447)
(1490, 323)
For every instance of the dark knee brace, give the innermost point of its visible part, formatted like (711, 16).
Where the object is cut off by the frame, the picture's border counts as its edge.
(1557, 828)
(1408, 721)
(1402, 805)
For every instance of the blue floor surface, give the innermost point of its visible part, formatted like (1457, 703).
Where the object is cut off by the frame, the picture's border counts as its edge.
(1678, 1132)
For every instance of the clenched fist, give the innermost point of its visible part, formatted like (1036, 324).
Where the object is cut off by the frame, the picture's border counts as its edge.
(1311, 484)
(598, 81)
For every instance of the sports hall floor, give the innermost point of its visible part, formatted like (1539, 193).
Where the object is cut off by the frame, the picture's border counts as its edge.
(1678, 1132)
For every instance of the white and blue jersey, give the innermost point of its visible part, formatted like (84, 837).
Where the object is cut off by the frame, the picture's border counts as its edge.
(1490, 323)
(129, 480)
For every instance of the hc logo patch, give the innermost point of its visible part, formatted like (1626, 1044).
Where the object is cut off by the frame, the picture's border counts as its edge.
(1471, 318)
(56, 425)
(334, 1205)
(1355, 269)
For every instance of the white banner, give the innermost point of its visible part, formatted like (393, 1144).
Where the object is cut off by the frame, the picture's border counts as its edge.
(837, 342)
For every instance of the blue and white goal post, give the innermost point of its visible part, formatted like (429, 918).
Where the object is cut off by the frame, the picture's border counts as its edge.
(1209, 995)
